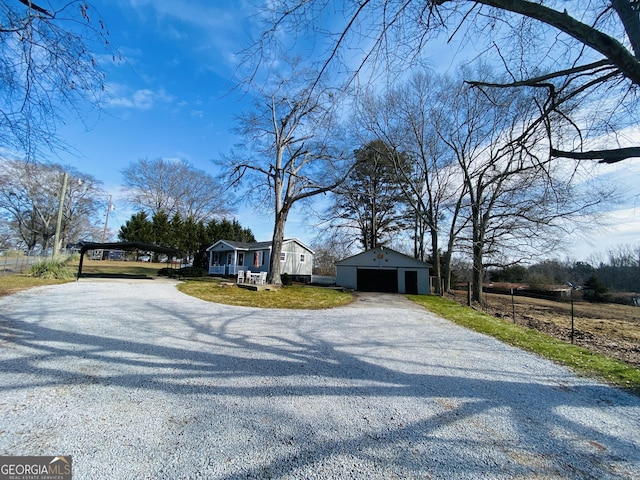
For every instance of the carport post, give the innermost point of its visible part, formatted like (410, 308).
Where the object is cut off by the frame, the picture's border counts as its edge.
(80, 266)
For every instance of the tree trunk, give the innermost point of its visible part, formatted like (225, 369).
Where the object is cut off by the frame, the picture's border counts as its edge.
(275, 270)
(478, 272)
(436, 260)
(446, 271)
(477, 249)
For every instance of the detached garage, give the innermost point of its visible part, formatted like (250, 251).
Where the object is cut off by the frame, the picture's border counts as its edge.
(384, 270)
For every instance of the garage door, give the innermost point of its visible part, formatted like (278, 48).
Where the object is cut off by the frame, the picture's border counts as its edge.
(377, 280)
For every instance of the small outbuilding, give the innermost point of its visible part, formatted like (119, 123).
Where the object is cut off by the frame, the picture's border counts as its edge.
(384, 270)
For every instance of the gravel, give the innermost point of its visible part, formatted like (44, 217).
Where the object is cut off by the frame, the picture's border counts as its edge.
(138, 381)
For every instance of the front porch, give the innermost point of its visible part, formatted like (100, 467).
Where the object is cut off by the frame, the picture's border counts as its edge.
(224, 270)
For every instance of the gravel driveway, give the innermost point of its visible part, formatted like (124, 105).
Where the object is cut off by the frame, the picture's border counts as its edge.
(138, 381)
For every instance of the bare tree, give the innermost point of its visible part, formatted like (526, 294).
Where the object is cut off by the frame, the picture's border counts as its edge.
(579, 53)
(405, 118)
(174, 187)
(517, 200)
(46, 66)
(291, 153)
(30, 198)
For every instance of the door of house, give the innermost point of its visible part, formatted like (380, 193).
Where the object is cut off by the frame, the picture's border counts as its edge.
(411, 282)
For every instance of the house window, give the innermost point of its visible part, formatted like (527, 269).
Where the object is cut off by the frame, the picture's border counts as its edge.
(302, 258)
(283, 256)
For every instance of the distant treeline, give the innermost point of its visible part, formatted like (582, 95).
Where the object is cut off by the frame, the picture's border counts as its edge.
(620, 272)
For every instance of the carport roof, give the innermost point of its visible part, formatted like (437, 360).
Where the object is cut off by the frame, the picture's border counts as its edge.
(147, 247)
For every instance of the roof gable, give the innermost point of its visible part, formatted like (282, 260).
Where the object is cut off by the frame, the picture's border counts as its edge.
(382, 257)
(250, 246)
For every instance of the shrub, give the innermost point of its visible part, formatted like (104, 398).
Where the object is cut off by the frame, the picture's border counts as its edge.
(285, 279)
(184, 272)
(165, 272)
(52, 268)
(192, 272)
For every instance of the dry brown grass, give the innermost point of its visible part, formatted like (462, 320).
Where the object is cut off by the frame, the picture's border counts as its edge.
(611, 329)
(14, 283)
(115, 267)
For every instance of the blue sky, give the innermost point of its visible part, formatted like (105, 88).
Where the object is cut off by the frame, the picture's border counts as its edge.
(170, 97)
(171, 94)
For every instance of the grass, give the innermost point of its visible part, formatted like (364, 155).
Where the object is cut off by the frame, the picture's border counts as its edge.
(612, 371)
(117, 267)
(14, 283)
(293, 297)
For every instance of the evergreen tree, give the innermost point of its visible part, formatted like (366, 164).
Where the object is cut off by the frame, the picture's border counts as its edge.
(162, 231)
(137, 229)
(372, 199)
(595, 291)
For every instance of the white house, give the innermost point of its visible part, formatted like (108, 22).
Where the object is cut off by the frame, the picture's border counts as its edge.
(226, 257)
(384, 270)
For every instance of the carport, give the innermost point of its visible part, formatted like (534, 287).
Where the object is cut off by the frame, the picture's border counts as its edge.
(384, 270)
(128, 246)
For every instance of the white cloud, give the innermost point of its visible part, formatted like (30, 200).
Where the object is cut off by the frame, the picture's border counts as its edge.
(141, 99)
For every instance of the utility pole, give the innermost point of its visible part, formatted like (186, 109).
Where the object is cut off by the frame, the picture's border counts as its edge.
(106, 222)
(63, 192)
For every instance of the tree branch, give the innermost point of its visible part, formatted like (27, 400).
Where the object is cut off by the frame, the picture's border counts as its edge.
(541, 81)
(605, 156)
(608, 46)
(35, 7)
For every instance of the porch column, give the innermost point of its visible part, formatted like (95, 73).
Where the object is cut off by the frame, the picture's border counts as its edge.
(235, 261)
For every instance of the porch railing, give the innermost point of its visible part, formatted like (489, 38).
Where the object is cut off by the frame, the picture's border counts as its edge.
(216, 269)
(224, 269)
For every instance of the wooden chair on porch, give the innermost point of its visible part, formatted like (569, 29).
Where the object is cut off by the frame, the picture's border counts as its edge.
(240, 278)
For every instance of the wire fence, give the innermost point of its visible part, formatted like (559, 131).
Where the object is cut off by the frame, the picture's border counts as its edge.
(17, 261)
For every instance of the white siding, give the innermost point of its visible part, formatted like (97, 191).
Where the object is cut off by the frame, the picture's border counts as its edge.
(292, 264)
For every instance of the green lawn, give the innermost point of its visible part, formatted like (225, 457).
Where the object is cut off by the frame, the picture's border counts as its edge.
(296, 297)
